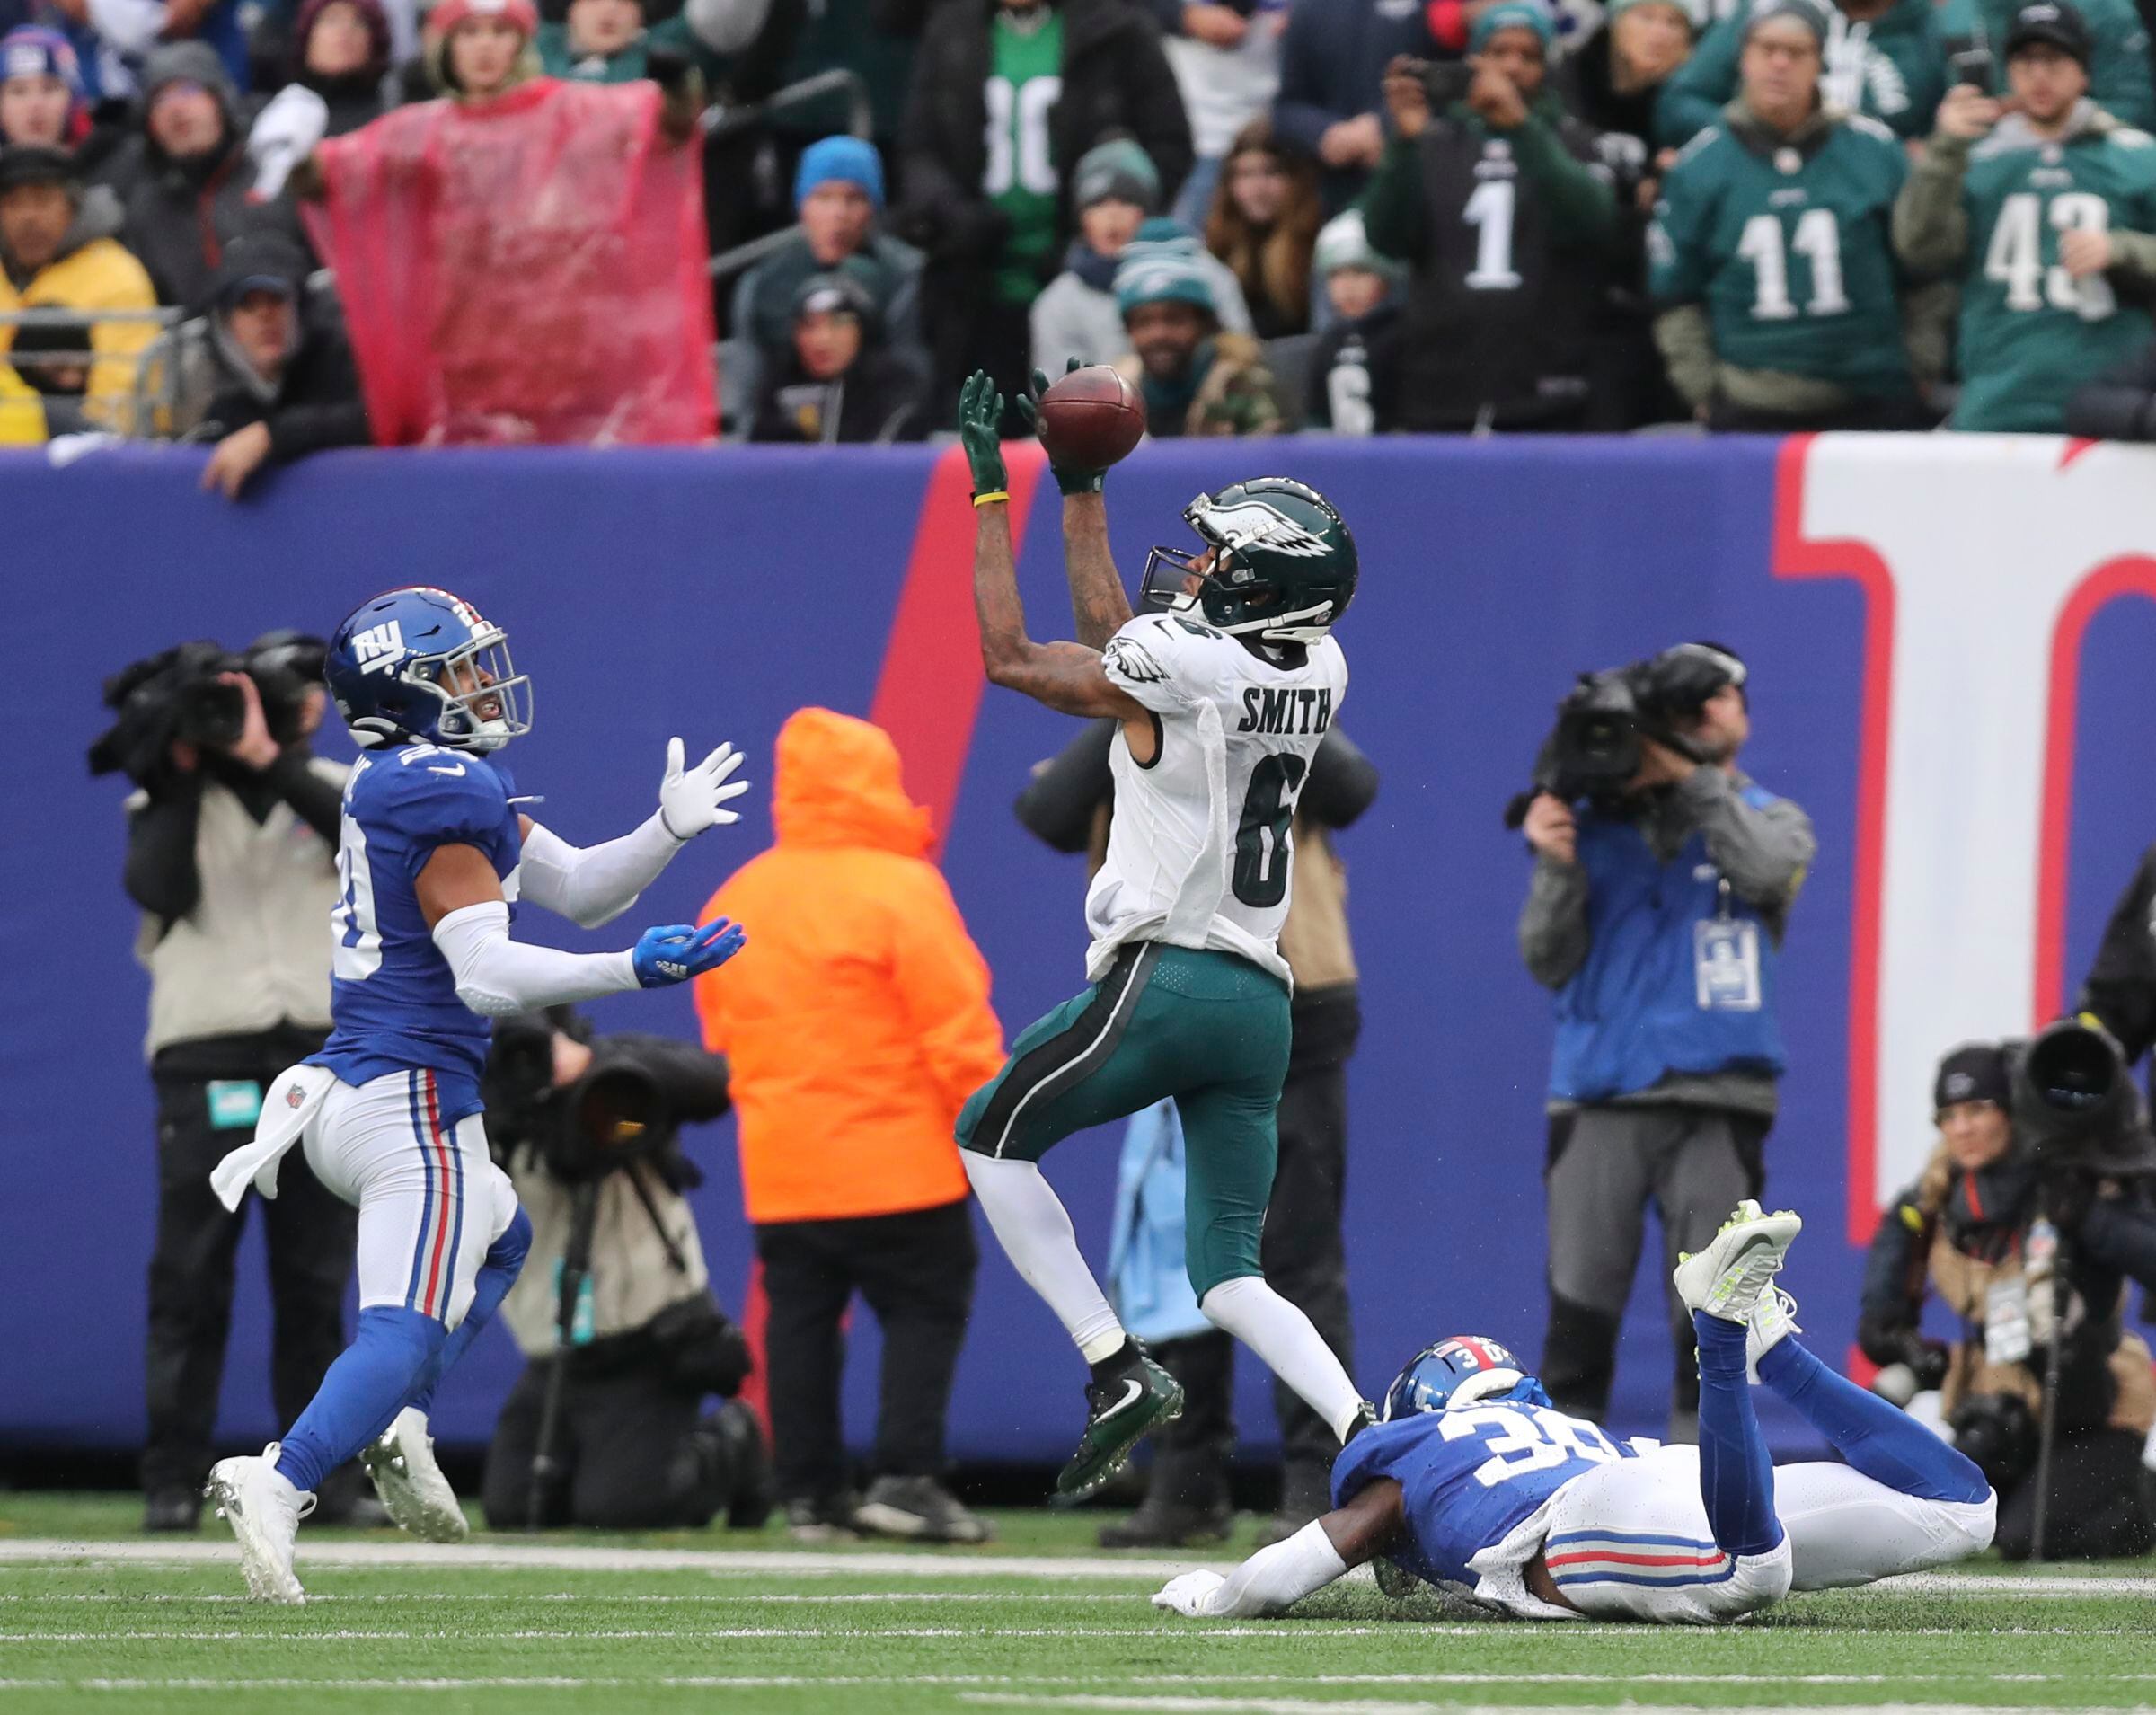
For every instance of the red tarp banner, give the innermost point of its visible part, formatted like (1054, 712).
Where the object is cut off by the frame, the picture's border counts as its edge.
(529, 268)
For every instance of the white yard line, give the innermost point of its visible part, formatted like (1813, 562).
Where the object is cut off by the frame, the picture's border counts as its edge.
(1314, 1706)
(57, 1553)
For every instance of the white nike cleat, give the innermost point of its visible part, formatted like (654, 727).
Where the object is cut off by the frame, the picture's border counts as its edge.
(1727, 1278)
(400, 1461)
(1773, 1319)
(264, 1510)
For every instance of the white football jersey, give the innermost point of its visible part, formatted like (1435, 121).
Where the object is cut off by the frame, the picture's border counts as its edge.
(1199, 852)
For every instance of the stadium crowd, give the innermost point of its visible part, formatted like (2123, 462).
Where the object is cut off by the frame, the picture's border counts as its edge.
(1352, 216)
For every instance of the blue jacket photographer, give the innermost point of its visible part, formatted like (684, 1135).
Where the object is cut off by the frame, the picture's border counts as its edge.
(1993, 1220)
(614, 1312)
(1663, 881)
(232, 858)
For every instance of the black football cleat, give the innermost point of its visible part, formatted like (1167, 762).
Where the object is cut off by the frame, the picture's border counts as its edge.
(1120, 1410)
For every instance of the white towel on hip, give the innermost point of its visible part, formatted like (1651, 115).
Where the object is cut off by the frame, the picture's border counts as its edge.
(295, 1095)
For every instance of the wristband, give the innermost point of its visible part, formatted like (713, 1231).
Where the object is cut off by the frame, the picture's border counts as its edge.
(992, 494)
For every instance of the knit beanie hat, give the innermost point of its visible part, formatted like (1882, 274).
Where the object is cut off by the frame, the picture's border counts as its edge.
(1805, 12)
(1118, 169)
(1342, 243)
(33, 51)
(1513, 14)
(1162, 279)
(848, 160)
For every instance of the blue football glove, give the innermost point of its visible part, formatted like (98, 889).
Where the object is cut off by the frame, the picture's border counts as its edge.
(680, 951)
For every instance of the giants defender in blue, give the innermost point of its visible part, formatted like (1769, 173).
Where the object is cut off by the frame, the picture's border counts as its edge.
(434, 858)
(1473, 1479)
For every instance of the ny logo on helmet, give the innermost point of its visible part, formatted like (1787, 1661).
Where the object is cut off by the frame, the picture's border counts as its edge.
(1252, 524)
(379, 647)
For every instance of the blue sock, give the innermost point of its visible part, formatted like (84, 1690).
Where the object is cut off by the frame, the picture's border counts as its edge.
(365, 1388)
(1877, 1438)
(1737, 1475)
(497, 1275)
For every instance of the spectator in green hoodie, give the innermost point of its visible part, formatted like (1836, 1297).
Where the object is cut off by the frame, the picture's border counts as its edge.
(1883, 59)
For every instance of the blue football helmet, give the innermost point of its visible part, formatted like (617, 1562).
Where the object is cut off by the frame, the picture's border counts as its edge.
(1465, 1370)
(420, 665)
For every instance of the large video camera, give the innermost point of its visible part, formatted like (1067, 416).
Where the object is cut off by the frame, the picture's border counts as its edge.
(612, 1117)
(1602, 725)
(2076, 1108)
(180, 695)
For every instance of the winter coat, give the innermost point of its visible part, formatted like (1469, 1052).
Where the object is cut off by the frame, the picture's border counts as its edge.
(1233, 396)
(762, 303)
(858, 1022)
(1115, 78)
(181, 216)
(1956, 1235)
(1332, 63)
(314, 405)
(90, 272)
(876, 401)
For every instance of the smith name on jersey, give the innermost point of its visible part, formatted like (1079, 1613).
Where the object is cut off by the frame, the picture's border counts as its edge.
(393, 997)
(1200, 853)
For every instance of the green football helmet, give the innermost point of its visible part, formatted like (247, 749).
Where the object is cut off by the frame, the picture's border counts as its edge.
(1285, 568)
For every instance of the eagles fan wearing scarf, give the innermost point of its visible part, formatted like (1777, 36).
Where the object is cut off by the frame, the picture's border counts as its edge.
(1225, 685)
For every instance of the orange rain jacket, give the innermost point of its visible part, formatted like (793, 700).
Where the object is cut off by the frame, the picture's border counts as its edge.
(856, 1020)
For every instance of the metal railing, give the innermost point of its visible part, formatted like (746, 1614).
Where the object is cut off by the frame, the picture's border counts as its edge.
(131, 411)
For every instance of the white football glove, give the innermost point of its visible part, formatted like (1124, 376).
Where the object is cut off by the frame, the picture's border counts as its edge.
(286, 133)
(1189, 1593)
(689, 802)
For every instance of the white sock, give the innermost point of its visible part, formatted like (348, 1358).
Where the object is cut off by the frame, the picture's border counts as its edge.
(1280, 1334)
(1034, 1231)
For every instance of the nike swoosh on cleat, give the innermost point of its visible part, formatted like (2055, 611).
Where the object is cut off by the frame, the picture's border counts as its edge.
(1137, 1392)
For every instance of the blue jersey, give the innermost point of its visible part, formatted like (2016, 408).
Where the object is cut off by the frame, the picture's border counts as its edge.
(393, 997)
(1471, 1476)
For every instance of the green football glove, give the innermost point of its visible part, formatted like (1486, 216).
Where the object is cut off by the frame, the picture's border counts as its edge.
(1069, 479)
(980, 413)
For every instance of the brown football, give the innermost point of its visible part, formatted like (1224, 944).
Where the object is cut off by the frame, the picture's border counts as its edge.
(1091, 418)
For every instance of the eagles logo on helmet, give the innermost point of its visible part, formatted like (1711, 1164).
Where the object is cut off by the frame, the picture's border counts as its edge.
(1463, 1370)
(420, 664)
(1284, 564)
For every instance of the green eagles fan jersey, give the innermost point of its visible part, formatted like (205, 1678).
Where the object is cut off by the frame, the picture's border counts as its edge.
(1025, 82)
(1787, 246)
(2030, 333)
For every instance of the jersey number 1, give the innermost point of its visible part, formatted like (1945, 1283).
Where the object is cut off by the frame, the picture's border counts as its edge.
(1260, 877)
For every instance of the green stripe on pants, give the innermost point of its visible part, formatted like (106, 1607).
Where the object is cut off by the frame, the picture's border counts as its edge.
(1208, 1028)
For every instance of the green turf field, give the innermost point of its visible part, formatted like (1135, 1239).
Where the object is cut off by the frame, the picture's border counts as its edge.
(95, 1617)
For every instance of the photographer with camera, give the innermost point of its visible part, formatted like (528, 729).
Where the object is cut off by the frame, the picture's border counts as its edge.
(231, 844)
(622, 1337)
(1663, 881)
(2005, 1214)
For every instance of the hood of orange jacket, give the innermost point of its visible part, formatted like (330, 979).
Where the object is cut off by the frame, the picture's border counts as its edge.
(839, 783)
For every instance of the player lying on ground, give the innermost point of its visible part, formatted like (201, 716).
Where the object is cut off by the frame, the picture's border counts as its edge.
(433, 853)
(1473, 1479)
(1224, 691)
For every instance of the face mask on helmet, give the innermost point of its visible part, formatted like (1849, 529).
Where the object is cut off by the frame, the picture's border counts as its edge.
(1237, 592)
(485, 701)
(421, 664)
